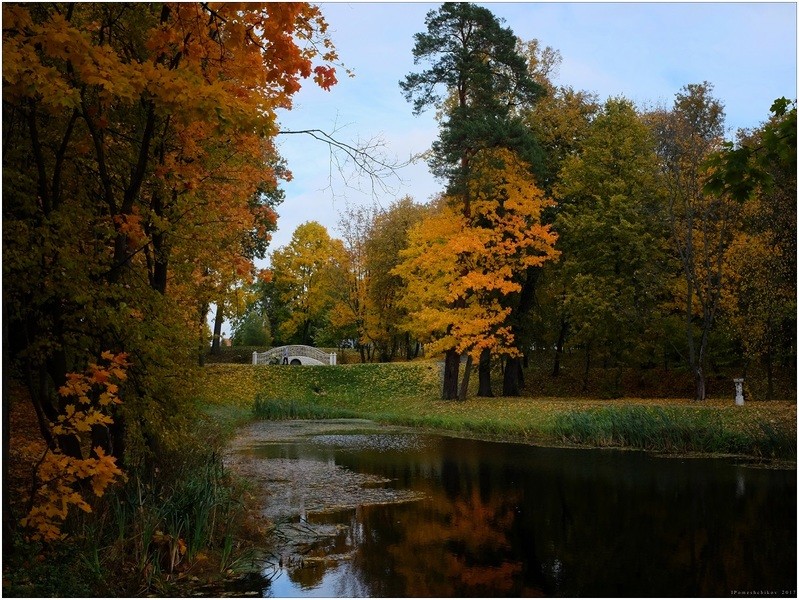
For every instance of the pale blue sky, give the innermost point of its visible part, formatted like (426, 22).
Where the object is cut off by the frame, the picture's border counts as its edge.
(643, 51)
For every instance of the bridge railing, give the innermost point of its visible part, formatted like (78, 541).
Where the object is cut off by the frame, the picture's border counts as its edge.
(263, 358)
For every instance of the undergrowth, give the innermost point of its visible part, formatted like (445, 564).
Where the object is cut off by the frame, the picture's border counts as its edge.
(180, 515)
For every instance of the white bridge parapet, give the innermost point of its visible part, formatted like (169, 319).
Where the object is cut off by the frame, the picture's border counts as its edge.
(318, 356)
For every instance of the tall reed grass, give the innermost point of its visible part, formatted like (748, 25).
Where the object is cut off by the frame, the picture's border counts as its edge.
(182, 513)
(660, 430)
(179, 513)
(266, 408)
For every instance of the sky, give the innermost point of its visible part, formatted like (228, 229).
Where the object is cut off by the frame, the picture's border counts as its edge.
(645, 52)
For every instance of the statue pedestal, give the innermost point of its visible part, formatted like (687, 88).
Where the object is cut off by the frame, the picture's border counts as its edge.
(739, 391)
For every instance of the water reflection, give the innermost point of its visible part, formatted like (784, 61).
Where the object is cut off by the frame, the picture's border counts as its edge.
(514, 520)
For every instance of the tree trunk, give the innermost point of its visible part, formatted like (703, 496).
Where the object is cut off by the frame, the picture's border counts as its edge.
(699, 379)
(202, 342)
(559, 347)
(467, 372)
(769, 374)
(699, 367)
(216, 342)
(8, 519)
(484, 373)
(587, 366)
(452, 362)
(409, 349)
(511, 383)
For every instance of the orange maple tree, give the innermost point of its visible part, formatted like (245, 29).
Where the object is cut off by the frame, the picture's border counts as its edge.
(136, 138)
(457, 304)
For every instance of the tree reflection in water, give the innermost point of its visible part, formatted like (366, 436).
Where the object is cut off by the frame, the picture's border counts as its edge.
(510, 520)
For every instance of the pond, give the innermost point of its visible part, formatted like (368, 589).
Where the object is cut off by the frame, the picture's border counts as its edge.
(390, 512)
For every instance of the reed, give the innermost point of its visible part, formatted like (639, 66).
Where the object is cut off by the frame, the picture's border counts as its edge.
(660, 430)
(271, 409)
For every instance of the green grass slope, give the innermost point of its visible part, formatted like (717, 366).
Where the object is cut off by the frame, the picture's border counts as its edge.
(409, 394)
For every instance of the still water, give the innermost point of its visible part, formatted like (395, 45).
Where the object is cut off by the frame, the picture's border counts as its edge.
(511, 520)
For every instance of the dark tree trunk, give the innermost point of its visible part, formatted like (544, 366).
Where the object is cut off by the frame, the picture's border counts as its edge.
(467, 372)
(409, 348)
(587, 366)
(202, 342)
(699, 379)
(216, 343)
(452, 361)
(559, 347)
(484, 373)
(511, 384)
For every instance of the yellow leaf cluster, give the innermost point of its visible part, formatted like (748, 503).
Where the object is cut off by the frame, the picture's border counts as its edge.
(58, 476)
(462, 261)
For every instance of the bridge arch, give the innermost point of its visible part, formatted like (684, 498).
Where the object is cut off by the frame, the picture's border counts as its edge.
(295, 353)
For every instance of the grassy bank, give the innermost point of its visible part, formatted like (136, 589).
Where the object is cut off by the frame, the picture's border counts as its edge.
(408, 394)
(178, 523)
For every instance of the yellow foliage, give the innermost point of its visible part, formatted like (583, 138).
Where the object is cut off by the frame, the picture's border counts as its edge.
(462, 260)
(57, 476)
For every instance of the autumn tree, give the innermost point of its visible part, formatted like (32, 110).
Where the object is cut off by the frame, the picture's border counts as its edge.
(387, 238)
(701, 224)
(134, 137)
(253, 246)
(474, 61)
(352, 278)
(559, 121)
(303, 271)
(760, 301)
(457, 305)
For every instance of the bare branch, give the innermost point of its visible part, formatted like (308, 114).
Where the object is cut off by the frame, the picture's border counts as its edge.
(359, 159)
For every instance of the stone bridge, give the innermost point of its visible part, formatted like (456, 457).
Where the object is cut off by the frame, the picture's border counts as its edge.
(294, 355)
